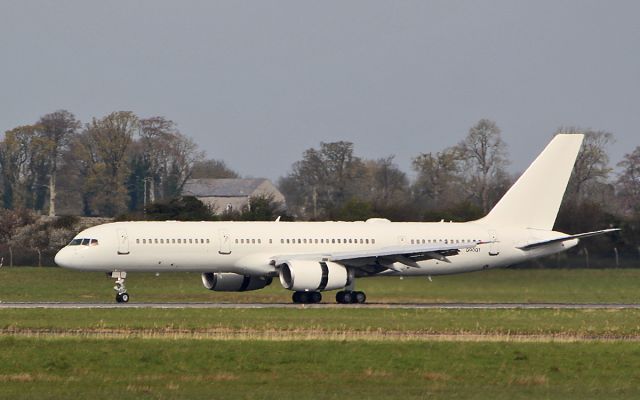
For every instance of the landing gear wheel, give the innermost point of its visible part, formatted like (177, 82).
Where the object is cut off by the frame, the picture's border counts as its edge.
(316, 297)
(350, 297)
(306, 297)
(122, 297)
(347, 297)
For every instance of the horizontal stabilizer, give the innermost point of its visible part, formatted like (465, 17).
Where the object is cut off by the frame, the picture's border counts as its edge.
(530, 246)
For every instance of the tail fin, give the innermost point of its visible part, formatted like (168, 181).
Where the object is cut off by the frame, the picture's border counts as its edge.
(533, 201)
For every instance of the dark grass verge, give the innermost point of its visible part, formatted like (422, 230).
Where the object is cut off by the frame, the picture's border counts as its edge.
(585, 323)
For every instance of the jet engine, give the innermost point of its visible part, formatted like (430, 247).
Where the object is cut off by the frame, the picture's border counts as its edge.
(230, 282)
(313, 275)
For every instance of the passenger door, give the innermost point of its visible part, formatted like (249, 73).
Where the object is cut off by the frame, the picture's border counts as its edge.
(494, 246)
(123, 242)
(225, 242)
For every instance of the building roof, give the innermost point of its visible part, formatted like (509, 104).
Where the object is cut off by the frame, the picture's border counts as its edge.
(222, 187)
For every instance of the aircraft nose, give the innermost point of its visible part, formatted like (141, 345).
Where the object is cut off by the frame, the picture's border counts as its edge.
(64, 258)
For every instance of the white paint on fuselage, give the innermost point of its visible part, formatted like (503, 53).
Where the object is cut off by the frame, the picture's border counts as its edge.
(223, 247)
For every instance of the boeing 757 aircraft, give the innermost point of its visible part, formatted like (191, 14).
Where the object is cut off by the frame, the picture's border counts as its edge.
(312, 257)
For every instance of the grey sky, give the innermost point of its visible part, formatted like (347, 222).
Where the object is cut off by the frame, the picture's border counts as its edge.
(255, 83)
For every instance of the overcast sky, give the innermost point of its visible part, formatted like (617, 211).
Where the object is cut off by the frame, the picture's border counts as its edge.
(255, 83)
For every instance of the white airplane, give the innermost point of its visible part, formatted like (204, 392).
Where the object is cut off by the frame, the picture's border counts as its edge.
(312, 257)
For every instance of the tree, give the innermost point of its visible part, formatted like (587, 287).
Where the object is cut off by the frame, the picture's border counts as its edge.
(628, 183)
(23, 159)
(591, 168)
(58, 128)
(439, 181)
(185, 208)
(485, 156)
(162, 160)
(212, 169)
(324, 178)
(263, 208)
(102, 149)
(388, 185)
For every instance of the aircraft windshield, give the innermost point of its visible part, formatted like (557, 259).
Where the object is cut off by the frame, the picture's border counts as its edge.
(83, 242)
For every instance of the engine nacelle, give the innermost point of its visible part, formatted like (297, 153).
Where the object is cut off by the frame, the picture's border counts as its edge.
(230, 282)
(313, 275)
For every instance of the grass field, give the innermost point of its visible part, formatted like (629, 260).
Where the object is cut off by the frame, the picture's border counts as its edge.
(544, 285)
(332, 353)
(196, 369)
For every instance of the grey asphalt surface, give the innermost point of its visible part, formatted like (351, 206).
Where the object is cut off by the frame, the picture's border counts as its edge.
(462, 306)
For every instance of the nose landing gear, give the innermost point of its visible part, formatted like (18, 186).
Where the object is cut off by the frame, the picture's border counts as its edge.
(121, 296)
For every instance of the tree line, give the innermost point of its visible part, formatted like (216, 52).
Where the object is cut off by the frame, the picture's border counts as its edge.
(118, 164)
(105, 167)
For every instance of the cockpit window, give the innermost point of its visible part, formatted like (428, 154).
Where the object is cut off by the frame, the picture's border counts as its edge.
(83, 242)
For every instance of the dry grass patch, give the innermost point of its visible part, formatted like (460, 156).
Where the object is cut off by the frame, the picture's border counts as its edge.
(533, 380)
(436, 376)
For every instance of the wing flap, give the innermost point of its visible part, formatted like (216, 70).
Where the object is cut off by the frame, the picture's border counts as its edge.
(408, 255)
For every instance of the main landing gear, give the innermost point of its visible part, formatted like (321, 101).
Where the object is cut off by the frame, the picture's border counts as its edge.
(350, 297)
(306, 297)
(342, 297)
(121, 296)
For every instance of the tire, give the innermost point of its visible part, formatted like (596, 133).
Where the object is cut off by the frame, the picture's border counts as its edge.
(118, 298)
(316, 297)
(304, 297)
(359, 297)
(347, 297)
(340, 297)
(124, 297)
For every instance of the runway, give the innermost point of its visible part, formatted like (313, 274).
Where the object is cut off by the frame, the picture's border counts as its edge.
(460, 306)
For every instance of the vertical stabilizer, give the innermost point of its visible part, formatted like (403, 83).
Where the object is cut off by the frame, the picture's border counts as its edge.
(534, 200)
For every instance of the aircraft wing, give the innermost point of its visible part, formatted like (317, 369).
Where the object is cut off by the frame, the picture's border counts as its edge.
(534, 245)
(386, 256)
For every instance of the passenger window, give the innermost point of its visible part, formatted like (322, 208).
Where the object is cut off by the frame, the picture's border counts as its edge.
(137, 241)
(373, 241)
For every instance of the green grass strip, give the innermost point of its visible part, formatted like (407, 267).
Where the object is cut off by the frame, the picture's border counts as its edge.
(192, 369)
